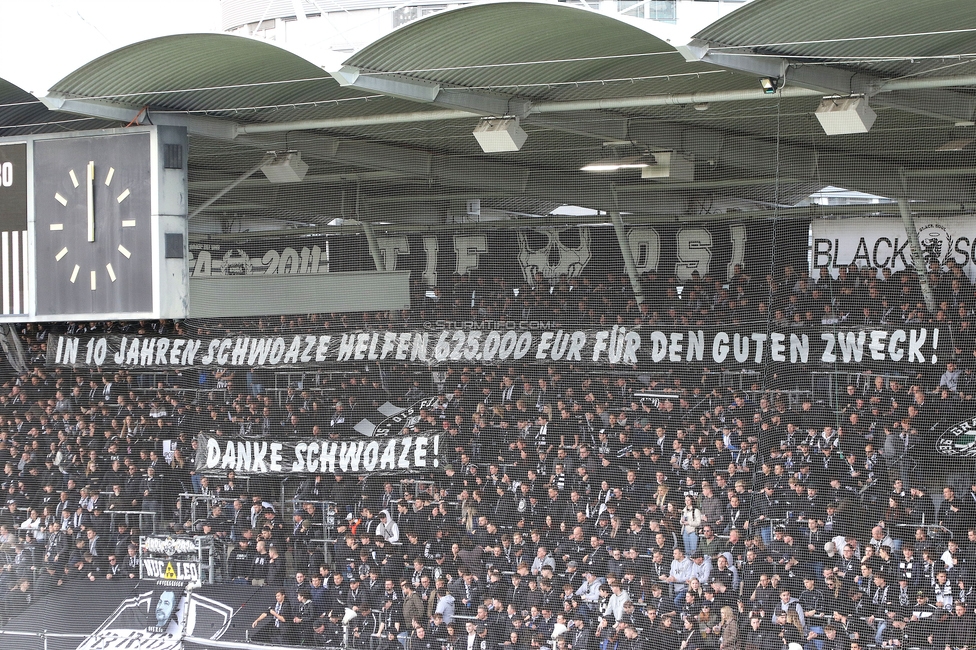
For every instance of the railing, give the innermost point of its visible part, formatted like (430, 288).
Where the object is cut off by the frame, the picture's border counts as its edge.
(43, 636)
(153, 517)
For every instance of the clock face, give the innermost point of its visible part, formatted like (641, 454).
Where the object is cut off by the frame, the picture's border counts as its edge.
(92, 220)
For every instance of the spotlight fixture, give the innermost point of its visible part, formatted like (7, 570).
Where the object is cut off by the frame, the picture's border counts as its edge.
(499, 134)
(956, 145)
(613, 163)
(287, 167)
(845, 115)
(769, 85)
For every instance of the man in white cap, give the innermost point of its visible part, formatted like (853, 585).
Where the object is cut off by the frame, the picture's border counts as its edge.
(589, 591)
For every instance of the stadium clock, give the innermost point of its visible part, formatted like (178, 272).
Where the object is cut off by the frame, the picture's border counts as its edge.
(92, 224)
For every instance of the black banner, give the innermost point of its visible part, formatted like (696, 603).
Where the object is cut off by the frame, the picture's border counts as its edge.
(467, 342)
(572, 252)
(112, 615)
(524, 254)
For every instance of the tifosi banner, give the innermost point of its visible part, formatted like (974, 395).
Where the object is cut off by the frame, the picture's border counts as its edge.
(523, 255)
(728, 348)
(316, 455)
(881, 242)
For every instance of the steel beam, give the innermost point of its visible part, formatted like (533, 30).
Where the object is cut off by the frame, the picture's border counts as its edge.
(352, 122)
(319, 179)
(416, 90)
(821, 82)
(234, 183)
(917, 260)
(126, 113)
(937, 102)
(420, 90)
(620, 231)
(374, 248)
(803, 212)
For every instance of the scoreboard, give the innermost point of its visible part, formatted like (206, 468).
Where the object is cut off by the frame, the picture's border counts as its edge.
(93, 225)
(14, 272)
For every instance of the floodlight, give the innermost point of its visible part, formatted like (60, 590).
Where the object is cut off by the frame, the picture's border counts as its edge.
(613, 163)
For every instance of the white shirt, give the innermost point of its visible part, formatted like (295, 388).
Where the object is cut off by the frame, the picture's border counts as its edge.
(589, 592)
(681, 572)
(615, 605)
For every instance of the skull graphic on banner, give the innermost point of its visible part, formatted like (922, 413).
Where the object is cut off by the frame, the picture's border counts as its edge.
(553, 252)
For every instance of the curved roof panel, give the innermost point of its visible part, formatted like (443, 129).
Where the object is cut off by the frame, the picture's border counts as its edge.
(220, 74)
(21, 112)
(190, 71)
(18, 107)
(538, 51)
(867, 34)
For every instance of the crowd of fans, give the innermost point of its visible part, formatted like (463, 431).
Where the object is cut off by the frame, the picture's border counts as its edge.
(847, 296)
(570, 511)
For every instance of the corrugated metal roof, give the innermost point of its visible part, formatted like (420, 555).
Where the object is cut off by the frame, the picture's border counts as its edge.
(247, 79)
(519, 47)
(839, 30)
(18, 107)
(201, 71)
(22, 113)
(540, 52)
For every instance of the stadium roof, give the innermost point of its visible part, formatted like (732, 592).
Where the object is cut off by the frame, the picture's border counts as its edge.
(21, 112)
(388, 134)
(898, 38)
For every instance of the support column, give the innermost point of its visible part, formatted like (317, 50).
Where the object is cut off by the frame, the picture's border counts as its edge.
(374, 251)
(628, 255)
(917, 259)
(237, 181)
(374, 248)
(13, 348)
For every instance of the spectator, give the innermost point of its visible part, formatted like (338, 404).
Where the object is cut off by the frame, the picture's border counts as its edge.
(278, 628)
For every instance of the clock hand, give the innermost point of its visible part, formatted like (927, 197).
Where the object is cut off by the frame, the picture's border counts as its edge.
(90, 176)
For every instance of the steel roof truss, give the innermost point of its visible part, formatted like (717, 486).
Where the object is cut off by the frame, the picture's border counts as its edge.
(428, 92)
(936, 102)
(126, 113)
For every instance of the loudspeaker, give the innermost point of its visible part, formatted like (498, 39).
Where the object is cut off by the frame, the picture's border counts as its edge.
(670, 166)
(289, 168)
(499, 135)
(845, 115)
